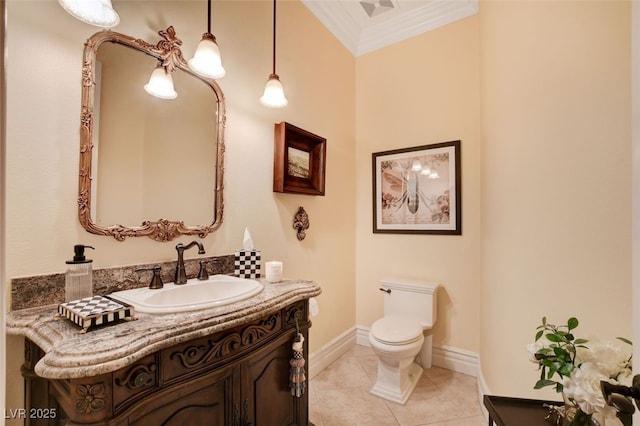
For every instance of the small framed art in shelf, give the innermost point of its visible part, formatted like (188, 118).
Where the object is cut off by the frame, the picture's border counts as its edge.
(298, 161)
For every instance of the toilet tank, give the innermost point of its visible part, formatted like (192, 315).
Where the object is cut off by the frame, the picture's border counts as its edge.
(411, 298)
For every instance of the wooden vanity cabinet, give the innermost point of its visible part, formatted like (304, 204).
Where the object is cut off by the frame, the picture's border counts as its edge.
(235, 377)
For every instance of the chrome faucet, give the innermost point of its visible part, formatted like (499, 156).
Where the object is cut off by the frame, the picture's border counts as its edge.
(181, 274)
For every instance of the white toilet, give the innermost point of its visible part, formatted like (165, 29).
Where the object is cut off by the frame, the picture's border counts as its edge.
(402, 334)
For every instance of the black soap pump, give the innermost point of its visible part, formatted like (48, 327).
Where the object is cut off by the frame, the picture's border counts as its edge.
(78, 282)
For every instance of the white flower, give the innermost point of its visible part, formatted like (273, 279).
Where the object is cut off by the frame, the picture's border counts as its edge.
(589, 361)
(624, 378)
(583, 386)
(612, 356)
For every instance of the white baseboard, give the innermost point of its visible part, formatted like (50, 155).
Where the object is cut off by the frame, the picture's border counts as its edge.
(330, 352)
(362, 336)
(454, 359)
(458, 360)
(483, 389)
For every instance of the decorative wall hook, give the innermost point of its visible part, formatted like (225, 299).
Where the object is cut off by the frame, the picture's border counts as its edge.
(301, 223)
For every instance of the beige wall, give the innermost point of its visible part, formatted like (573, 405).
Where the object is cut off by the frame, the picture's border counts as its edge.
(556, 178)
(421, 91)
(45, 52)
(539, 94)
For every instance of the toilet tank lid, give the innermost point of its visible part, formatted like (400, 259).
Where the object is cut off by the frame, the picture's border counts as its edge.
(411, 285)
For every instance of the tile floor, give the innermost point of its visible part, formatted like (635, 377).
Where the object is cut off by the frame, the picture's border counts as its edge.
(339, 396)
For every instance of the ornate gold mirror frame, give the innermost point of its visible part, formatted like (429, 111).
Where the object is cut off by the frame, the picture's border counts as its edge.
(168, 52)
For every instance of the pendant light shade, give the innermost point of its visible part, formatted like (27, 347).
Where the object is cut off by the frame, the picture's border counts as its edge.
(99, 13)
(207, 61)
(273, 96)
(160, 84)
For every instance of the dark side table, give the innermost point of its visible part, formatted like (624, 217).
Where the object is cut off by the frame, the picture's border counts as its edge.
(504, 411)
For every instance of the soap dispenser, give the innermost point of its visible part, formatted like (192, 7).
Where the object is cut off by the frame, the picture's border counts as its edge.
(78, 282)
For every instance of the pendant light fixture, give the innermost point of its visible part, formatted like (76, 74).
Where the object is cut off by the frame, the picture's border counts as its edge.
(273, 96)
(160, 84)
(206, 61)
(99, 13)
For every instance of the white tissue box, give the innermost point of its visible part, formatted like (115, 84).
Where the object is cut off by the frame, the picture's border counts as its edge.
(247, 264)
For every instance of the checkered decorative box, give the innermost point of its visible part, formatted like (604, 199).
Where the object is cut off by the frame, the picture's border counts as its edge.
(247, 264)
(95, 310)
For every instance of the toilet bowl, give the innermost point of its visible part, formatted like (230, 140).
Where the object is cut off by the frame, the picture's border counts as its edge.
(396, 340)
(399, 337)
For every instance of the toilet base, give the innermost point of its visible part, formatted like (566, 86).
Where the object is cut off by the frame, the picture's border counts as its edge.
(396, 384)
(425, 357)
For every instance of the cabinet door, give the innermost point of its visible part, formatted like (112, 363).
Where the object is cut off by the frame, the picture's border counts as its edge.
(207, 400)
(265, 389)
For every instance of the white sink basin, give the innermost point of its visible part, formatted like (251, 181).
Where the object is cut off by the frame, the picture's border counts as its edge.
(218, 290)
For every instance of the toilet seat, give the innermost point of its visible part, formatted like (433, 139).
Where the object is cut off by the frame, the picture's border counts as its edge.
(396, 330)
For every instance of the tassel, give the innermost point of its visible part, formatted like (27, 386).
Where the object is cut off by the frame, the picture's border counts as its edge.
(297, 377)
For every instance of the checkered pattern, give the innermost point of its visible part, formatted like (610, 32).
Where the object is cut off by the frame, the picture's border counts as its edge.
(247, 264)
(95, 310)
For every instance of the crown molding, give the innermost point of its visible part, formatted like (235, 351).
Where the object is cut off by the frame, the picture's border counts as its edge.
(337, 17)
(348, 22)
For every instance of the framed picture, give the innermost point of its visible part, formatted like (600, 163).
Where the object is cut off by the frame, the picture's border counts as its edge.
(417, 190)
(298, 161)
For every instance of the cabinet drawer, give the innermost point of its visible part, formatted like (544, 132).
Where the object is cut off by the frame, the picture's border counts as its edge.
(220, 348)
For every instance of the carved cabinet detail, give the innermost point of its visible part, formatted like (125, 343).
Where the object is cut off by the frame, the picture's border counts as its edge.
(238, 376)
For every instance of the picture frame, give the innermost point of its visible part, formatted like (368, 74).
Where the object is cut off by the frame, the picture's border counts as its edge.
(417, 190)
(299, 160)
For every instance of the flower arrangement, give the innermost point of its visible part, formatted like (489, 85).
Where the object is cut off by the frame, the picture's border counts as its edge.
(580, 365)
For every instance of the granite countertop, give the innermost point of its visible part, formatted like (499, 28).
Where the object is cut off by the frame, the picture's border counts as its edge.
(70, 353)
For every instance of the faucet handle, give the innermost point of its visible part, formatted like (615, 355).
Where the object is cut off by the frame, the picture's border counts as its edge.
(156, 280)
(203, 274)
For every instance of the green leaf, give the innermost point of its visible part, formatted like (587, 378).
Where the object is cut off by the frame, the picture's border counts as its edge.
(566, 370)
(554, 337)
(539, 334)
(544, 351)
(543, 383)
(572, 323)
(580, 341)
(559, 387)
(543, 372)
(627, 341)
(544, 321)
(561, 354)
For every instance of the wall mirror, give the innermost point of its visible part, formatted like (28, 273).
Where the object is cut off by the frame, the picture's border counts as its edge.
(148, 166)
